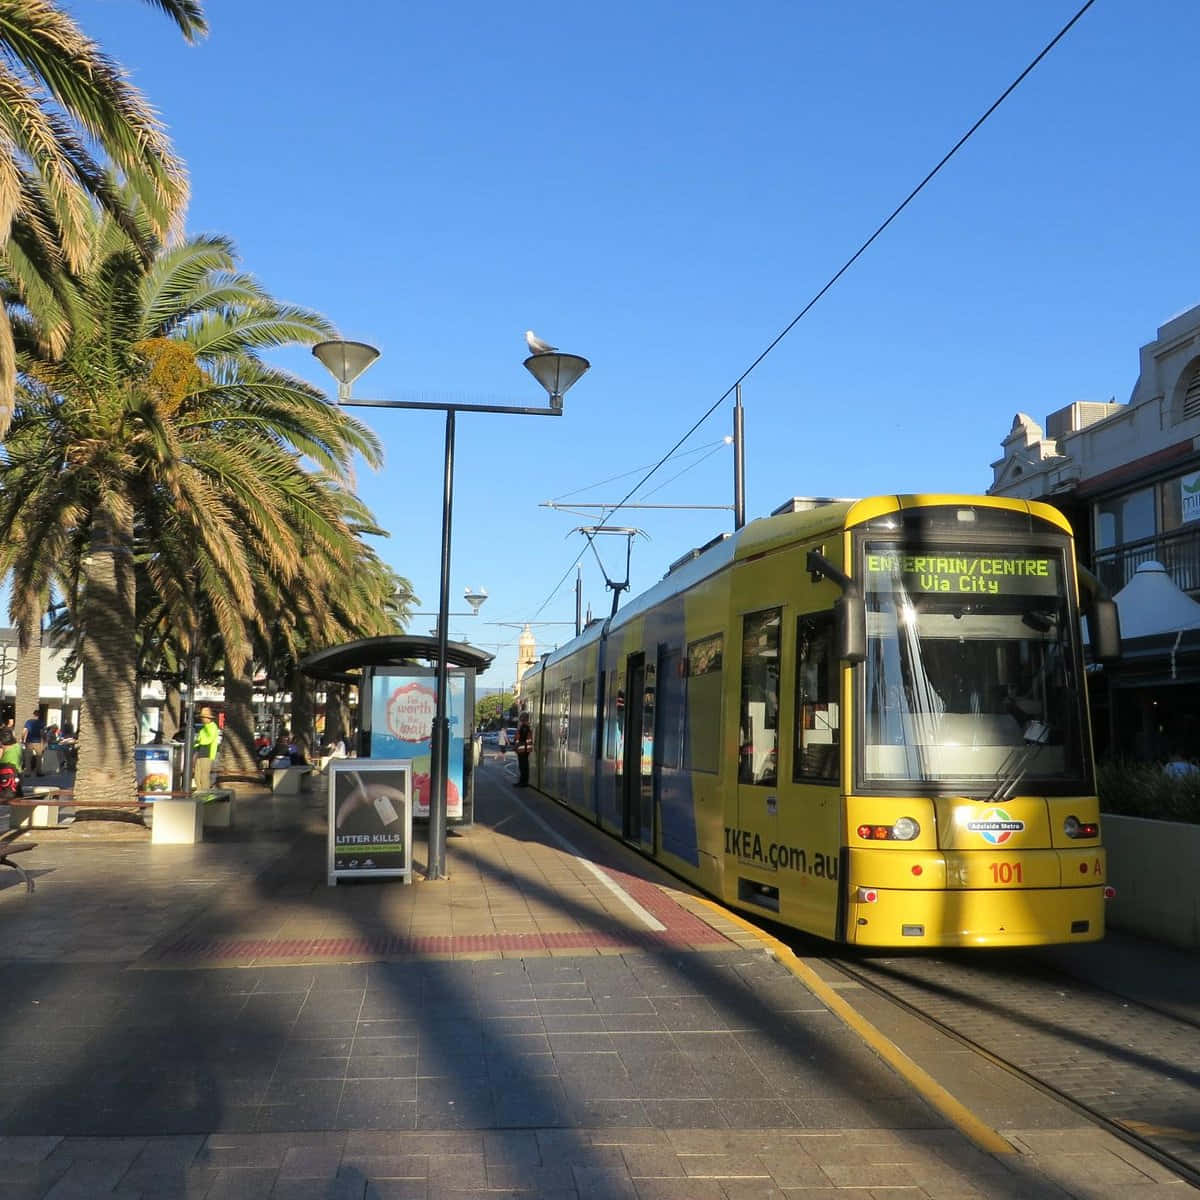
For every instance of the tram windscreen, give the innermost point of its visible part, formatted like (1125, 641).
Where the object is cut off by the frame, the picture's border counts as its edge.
(970, 677)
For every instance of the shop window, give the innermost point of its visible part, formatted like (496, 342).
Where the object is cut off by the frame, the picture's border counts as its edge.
(1124, 519)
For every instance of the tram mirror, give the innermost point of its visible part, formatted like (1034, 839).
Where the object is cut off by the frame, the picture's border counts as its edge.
(1104, 630)
(851, 615)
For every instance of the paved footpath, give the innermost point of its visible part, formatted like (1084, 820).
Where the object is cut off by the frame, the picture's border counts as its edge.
(556, 1019)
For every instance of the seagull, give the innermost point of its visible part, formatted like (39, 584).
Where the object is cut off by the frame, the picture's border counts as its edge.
(536, 345)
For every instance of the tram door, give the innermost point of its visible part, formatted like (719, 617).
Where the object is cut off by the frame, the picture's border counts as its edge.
(637, 780)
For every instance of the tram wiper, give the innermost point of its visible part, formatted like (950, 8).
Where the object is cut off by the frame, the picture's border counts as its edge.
(1033, 737)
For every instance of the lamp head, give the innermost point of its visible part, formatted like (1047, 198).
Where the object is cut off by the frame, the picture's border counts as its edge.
(345, 361)
(475, 598)
(557, 373)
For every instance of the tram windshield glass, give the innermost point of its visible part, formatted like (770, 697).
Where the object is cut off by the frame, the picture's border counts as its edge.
(970, 677)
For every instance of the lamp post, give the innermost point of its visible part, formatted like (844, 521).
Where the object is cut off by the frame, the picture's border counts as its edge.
(556, 372)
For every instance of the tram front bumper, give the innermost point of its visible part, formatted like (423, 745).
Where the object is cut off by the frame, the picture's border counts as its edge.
(985, 917)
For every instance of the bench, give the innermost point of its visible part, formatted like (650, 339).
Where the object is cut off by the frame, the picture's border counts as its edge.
(217, 804)
(178, 818)
(285, 781)
(9, 848)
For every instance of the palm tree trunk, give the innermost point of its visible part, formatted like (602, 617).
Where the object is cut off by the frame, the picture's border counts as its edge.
(339, 704)
(108, 724)
(29, 671)
(302, 709)
(171, 710)
(237, 747)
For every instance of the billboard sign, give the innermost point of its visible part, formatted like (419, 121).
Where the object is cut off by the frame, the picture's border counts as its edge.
(403, 703)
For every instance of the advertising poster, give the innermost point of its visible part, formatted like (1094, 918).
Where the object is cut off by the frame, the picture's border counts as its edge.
(1189, 497)
(370, 819)
(403, 703)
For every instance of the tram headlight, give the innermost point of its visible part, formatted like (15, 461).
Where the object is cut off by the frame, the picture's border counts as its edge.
(903, 829)
(1073, 827)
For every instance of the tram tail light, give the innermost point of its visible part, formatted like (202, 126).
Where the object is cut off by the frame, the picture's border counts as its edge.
(1110, 893)
(903, 829)
(1073, 827)
(866, 895)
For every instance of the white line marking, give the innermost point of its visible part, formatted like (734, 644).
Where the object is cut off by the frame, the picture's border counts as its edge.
(650, 921)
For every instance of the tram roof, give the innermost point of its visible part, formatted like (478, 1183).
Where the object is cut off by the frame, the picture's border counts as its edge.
(797, 519)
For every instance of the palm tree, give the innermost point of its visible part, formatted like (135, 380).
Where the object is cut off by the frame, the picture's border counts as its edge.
(59, 97)
(158, 441)
(343, 592)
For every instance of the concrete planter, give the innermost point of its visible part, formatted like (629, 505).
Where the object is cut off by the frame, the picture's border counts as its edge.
(1155, 867)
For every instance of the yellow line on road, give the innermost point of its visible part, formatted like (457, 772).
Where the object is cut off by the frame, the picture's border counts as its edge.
(982, 1134)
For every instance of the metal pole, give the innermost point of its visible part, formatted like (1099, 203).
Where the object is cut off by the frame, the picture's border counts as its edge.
(439, 767)
(578, 601)
(189, 734)
(739, 462)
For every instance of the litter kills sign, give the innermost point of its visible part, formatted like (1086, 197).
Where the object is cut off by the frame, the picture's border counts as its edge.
(370, 819)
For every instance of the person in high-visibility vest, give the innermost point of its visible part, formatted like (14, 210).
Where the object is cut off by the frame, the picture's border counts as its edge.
(524, 748)
(208, 738)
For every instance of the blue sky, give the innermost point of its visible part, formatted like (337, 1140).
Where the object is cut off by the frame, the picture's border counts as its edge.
(661, 188)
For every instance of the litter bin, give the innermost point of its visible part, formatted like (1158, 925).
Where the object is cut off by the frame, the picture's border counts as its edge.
(155, 767)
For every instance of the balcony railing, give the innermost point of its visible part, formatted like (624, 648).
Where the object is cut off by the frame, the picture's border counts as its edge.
(1178, 551)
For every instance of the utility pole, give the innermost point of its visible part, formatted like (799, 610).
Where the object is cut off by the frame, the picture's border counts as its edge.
(739, 462)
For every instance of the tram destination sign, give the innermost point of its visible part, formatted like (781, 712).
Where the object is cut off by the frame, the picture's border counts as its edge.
(955, 574)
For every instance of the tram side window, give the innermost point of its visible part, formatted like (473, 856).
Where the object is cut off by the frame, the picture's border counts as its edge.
(614, 714)
(669, 737)
(576, 721)
(818, 724)
(759, 745)
(542, 737)
(702, 728)
(587, 719)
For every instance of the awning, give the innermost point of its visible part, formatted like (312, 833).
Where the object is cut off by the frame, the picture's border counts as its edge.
(340, 664)
(1151, 603)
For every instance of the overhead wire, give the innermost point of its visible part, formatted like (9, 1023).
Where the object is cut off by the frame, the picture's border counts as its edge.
(912, 195)
(712, 447)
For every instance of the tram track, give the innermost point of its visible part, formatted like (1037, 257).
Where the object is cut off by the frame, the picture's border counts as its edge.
(1124, 1065)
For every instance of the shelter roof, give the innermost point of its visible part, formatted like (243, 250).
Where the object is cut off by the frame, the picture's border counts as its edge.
(338, 664)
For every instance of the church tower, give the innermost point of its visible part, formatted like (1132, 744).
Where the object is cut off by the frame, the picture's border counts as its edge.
(526, 655)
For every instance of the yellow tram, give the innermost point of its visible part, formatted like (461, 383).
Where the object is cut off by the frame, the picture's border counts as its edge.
(866, 719)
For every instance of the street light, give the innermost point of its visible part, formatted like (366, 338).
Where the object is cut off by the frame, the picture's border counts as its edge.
(474, 598)
(556, 372)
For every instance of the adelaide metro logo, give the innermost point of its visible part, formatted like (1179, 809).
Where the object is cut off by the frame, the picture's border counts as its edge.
(996, 826)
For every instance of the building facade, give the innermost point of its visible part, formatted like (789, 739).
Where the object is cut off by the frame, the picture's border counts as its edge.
(1127, 476)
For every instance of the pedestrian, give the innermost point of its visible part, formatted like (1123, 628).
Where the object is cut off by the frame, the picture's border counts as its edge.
(204, 749)
(11, 755)
(32, 740)
(524, 749)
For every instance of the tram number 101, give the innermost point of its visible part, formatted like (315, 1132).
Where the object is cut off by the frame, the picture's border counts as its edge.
(1004, 872)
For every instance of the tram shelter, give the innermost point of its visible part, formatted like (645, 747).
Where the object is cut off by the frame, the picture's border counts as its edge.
(395, 680)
